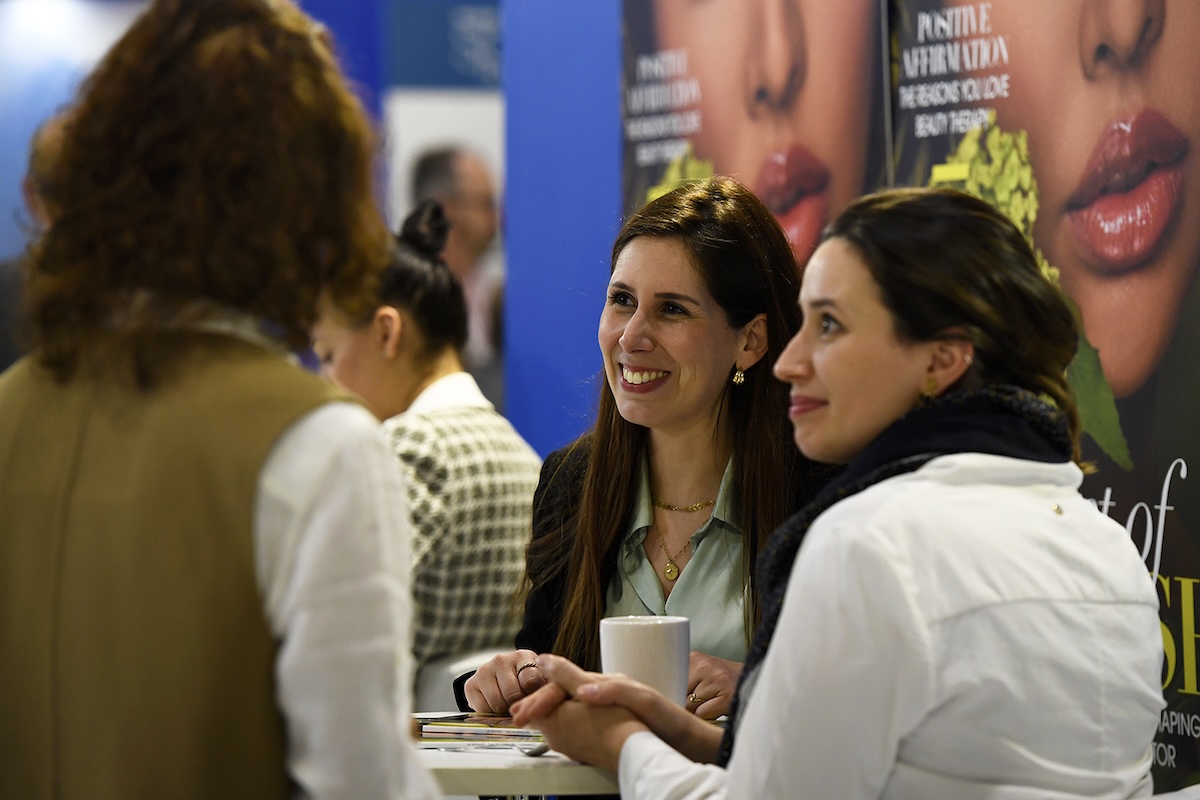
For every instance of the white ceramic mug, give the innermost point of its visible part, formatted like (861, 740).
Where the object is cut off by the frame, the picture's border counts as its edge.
(651, 650)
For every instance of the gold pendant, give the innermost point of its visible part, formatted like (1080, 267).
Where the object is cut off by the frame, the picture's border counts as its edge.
(670, 571)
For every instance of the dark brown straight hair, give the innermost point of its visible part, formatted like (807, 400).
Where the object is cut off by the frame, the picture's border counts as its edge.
(951, 265)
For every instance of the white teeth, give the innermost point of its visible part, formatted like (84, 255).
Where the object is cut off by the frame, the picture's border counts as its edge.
(638, 378)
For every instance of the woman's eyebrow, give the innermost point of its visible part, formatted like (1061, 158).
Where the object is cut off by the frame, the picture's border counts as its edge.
(687, 298)
(659, 295)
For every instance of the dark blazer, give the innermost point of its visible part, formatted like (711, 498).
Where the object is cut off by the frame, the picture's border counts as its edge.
(555, 506)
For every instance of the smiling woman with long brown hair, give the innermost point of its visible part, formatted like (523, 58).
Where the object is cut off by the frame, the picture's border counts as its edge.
(663, 507)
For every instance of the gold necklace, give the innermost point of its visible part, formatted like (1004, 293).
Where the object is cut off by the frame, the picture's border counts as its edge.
(671, 570)
(693, 507)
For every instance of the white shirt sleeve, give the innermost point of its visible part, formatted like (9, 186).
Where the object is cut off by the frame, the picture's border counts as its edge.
(333, 563)
(848, 673)
(649, 767)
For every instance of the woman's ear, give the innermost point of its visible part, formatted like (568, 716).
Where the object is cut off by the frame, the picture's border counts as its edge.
(753, 344)
(949, 361)
(389, 328)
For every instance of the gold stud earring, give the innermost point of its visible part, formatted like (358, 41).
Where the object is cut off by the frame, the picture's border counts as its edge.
(739, 377)
(929, 394)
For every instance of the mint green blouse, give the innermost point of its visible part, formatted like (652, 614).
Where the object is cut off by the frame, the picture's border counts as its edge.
(710, 591)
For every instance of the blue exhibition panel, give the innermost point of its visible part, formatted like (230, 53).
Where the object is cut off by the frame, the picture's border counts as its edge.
(561, 65)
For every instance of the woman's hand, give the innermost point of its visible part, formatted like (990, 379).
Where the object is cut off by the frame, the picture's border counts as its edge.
(589, 734)
(711, 684)
(607, 709)
(503, 681)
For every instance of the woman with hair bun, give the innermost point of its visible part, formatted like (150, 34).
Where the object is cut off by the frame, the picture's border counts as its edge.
(470, 475)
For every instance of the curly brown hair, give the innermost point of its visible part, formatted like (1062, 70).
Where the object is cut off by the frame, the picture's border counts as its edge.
(215, 157)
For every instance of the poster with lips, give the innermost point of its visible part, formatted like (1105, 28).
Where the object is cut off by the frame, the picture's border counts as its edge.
(788, 98)
(1068, 117)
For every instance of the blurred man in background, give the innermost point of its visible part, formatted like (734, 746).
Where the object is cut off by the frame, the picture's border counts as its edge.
(462, 182)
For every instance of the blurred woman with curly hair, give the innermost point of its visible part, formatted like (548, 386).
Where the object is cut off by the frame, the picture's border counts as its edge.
(203, 567)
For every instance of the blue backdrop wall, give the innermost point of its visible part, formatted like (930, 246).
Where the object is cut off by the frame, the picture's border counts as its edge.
(561, 79)
(360, 35)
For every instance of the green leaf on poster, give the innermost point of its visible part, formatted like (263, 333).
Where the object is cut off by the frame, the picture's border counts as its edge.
(1097, 406)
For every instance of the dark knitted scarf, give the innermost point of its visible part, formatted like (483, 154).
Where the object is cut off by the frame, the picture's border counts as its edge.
(997, 420)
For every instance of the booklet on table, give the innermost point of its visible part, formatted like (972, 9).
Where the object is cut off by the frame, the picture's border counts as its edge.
(473, 727)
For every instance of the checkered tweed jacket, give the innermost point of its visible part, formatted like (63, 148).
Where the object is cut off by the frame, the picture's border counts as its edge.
(471, 479)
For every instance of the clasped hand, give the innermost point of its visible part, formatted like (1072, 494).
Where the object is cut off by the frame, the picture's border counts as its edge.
(588, 716)
(507, 678)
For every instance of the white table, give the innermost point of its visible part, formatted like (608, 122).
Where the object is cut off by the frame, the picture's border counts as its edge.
(496, 772)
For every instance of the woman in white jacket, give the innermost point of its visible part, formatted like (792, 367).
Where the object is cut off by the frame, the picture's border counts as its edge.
(959, 622)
